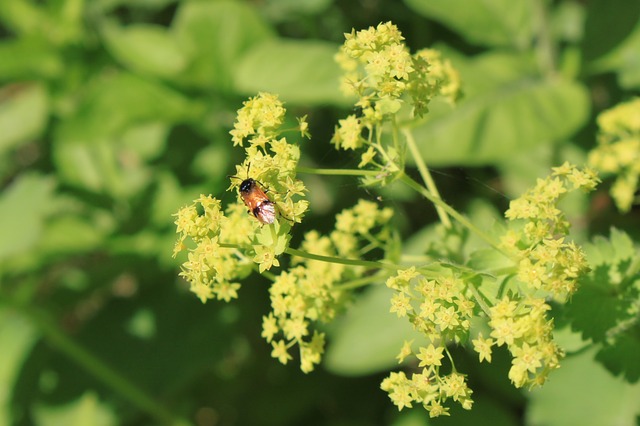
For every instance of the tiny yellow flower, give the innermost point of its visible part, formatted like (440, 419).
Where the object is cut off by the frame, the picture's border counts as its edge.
(280, 351)
(269, 327)
(430, 356)
(405, 351)
(483, 347)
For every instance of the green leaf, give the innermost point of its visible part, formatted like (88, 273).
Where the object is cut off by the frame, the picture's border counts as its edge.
(17, 337)
(301, 72)
(368, 338)
(145, 48)
(621, 357)
(69, 234)
(582, 393)
(87, 410)
(605, 306)
(287, 10)
(215, 35)
(623, 60)
(611, 251)
(24, 112)
(24, 207)
(104, 6)
(23, 17)
(595, 309)
(120, 121)
(608, 24)
(28, 57)
(507, 109)
(489, 22)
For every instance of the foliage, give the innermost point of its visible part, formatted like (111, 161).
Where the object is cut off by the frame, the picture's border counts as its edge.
(116, 115)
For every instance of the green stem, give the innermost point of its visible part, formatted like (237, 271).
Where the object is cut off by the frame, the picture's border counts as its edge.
(453, 364)
(478, 297)
(452, 212)
(337, 172)
(426, 175)
(331, 259)
(359, 282)
(99, 369)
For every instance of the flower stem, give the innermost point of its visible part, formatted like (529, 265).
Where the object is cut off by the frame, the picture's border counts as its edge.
(478, 297)
(331, 259)
(337, 172)
(437, 201)
(426, 175)
(359, 282)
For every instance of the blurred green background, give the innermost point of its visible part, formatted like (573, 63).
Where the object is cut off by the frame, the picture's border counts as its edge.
(115, 113)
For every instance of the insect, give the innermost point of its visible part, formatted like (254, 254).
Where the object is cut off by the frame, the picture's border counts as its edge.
(256, 199)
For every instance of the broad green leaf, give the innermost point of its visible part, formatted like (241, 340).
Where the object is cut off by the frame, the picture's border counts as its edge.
(623, 60)
(96, 149)
(490, 22)
(17, 337)
(24, 112)
(215, 35)
(368, 338)
(87, 410)
(23, 17)
(104, 6)
(145, 48)
(502, 113)
(121, 100)
(24, 207)
(28, 58)
(146, 141)
(298, 71)
(621, 357)
(286, 10)
(604, 310)
(61, 22)
(608, 24)
(582, 393)
(69, 234)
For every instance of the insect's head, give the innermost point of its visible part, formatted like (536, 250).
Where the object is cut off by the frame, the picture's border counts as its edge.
(247, 185)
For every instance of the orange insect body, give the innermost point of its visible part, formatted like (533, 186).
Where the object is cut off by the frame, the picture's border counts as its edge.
(257, 201)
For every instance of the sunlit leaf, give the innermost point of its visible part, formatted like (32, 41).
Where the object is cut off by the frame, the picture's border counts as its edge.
(589, 396)
(492, 22)
(298, 71)
(149, 49)
(506, 112)
(24, 207)
(215, 35)
(369, 337)
(24, 111)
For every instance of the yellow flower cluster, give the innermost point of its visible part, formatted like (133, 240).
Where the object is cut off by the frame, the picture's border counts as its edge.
(308, 292)
(381, 72)
(228, 243)
(547, 261)
(618, 150)
(547, 264)
(270, 159)
(428, 387)
(210, 268)
(440, 310)
(522, 326)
